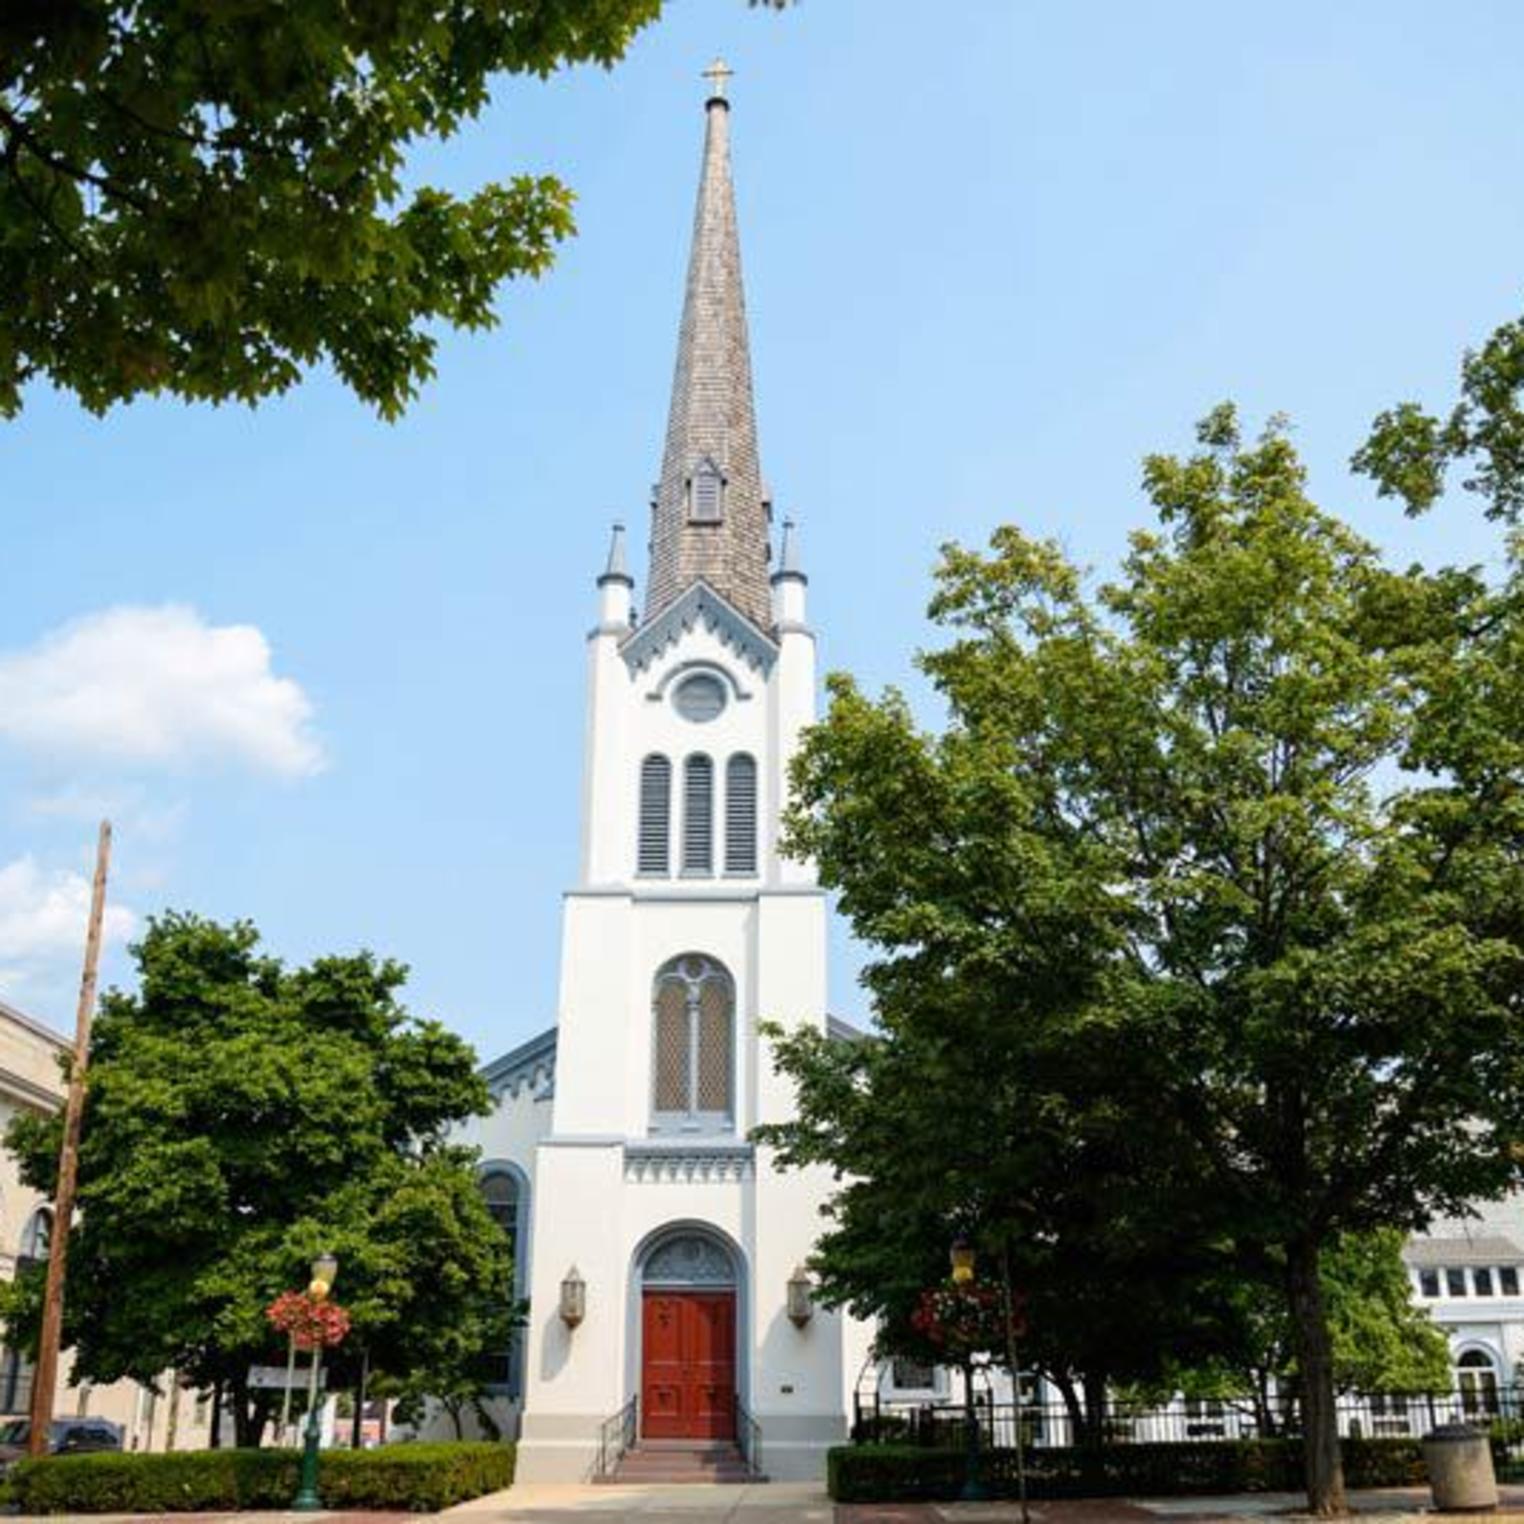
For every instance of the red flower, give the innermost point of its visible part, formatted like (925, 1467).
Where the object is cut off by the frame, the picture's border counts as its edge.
(313, 1324)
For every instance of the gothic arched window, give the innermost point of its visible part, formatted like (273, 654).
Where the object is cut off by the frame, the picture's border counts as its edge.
(741, 814)
(653, 852)
(693, 1012)
(698, 814)
(500, 1193)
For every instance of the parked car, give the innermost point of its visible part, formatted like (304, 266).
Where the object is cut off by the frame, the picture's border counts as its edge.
(66, 1436)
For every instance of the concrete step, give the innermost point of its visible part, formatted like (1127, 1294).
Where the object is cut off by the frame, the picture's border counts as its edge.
(680, 1461)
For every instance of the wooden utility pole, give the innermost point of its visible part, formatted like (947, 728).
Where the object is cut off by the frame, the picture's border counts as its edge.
(45, 1373)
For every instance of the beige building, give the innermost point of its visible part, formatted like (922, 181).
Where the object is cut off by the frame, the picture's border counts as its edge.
(31, 1080)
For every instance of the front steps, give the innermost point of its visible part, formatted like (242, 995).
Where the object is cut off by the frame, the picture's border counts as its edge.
(677, 1461)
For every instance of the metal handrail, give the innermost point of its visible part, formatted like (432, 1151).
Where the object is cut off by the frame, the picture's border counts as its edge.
(748, 1438)
(616, 1434)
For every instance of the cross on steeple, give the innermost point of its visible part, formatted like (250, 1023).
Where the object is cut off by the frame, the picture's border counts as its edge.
(717, 73)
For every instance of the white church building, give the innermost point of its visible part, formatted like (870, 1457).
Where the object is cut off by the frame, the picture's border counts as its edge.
(658, 1248)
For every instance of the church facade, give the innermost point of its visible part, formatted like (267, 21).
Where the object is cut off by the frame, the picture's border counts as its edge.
(659, 1250)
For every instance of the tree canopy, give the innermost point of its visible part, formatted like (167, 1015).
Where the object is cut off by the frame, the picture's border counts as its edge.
(242, 1117)
(206, 198)
(1237, 838)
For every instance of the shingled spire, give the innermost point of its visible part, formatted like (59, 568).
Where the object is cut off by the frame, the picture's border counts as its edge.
(709, 520)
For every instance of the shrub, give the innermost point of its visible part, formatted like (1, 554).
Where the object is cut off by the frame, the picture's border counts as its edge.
(421, 1478)
(906, 1473)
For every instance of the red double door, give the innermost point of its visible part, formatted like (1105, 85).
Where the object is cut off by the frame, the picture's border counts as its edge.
(688, 1375)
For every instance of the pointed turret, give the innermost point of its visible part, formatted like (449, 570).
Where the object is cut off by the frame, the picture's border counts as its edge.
(710, 517)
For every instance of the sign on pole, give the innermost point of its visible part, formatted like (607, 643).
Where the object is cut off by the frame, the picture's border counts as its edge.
(272, 1378)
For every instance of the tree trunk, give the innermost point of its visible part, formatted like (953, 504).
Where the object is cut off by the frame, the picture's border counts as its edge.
(214, 1439)
(243, 1427)
(1095, 1410)
(1065, 1385)
(1314, 1351)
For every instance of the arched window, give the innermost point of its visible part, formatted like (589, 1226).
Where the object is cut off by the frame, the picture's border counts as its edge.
(653, 852)
(36, 1237)
(1476, 1375)
(505, 1203)
(698, 814)
(693, 1011)
(741, 814)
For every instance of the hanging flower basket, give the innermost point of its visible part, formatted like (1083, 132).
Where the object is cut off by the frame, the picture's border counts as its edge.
(311, 1323)
(962, 1321)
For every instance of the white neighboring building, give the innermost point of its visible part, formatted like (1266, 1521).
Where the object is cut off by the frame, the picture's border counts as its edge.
(1469, 1274)
(174, 1419)
(619, 1152)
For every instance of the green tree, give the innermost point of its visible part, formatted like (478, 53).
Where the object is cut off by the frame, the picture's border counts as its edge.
(1381, 1340)
(206, 198)
(241, 1117)
(1244, 821)
(968, 1119)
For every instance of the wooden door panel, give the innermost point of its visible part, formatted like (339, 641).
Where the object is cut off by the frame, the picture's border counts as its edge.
(688, 1358)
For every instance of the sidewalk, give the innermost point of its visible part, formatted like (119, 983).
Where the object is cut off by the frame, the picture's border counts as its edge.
(1399, 1505)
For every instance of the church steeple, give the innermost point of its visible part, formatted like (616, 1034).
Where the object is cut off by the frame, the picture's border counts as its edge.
(709, 516)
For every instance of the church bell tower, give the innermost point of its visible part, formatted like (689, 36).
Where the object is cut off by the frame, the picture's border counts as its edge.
(684, 930)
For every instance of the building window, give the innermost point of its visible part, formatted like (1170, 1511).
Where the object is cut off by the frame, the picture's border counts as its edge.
(1428, 1282)
(500, 1192)
(698, 814)
(15, 1382)
(912, 1375)
(36, 1239)
(741, 814)
(700, 698)
(1481, 1281)
(1455, 1282)
(1508, 1280)
(653, 853)
(706, 494)
(1477, 1378)
(693, 1014)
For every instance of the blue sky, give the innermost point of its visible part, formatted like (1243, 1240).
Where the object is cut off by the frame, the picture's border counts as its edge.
(995, 253)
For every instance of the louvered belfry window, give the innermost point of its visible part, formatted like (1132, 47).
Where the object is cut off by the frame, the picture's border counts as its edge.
(698, 814)
(653, 854)
(741, 814)
(693, 1063)
(706, 494)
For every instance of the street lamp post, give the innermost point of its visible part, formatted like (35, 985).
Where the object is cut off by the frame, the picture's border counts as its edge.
(324, 1269)
(961, 1254)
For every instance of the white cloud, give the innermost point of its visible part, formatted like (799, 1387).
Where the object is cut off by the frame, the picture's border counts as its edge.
(42, 924)
(133, 686)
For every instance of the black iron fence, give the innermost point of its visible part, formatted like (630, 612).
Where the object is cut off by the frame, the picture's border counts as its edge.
(1054, 1423)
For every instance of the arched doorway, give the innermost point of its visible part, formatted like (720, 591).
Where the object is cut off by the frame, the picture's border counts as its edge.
(688, 1325)
(1476, 1375)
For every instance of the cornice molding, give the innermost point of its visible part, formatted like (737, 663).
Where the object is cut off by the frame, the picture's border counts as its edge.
(700, 606)
(688, 1163)
(532, 1063)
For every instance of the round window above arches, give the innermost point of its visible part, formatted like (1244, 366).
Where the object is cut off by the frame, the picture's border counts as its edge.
(700, 698)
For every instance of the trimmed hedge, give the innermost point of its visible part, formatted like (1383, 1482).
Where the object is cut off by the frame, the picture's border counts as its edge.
(906, 1473)
(420, 1478)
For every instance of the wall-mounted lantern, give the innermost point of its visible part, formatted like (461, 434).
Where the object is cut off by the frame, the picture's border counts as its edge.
(573, 1298)
(800, 1308)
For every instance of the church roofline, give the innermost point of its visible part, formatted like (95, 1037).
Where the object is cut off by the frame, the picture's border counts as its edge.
(698, 604)
(519, 1066)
